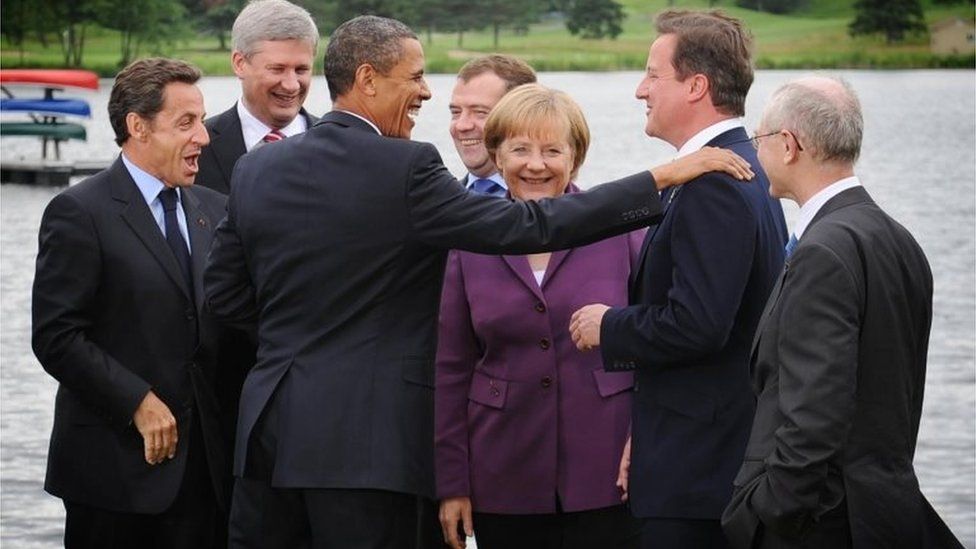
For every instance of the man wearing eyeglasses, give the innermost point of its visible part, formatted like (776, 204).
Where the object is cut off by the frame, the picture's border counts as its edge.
(839, 359)
(704, 275)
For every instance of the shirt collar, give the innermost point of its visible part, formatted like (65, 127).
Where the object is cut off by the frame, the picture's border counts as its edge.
(254, 130)
(702, 138)
(496, 177)
(366, 120)
(149, 186)
(809, 210)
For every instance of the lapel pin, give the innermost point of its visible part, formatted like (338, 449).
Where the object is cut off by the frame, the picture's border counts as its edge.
(202, 222)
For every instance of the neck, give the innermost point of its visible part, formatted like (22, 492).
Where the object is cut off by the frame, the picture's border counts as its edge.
(819, 178)
(355, 106)
(697, 121)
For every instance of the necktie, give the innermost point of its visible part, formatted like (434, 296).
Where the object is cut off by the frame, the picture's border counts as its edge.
(790, 246)
(487, 186)
(273, 136)
(173, 235)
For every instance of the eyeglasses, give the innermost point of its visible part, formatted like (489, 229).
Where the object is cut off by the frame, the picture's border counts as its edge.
(755, 139)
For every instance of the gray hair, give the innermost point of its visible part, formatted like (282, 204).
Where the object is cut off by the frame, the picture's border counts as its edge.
(264, 20)
(823, 112)
(367, 39)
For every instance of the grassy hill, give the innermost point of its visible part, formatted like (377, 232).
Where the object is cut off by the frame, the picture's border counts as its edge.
(815, 37)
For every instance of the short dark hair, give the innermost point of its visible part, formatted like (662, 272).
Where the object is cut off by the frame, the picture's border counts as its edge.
(367, 39)
(139, 88)
(716, 45)
(512, 70)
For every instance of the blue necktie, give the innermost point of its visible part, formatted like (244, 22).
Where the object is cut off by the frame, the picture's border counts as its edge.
(790, 246)
(487, 186)
(173, 235)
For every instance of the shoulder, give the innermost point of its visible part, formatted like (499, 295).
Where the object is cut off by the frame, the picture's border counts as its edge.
(222, 120)
(209, 197)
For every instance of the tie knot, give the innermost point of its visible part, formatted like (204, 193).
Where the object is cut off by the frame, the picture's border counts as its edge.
(485, 186)
(273, 136)
(169, 198)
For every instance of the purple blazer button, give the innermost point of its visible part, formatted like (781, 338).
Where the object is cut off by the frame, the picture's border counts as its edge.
(544, 343)
(546, 382)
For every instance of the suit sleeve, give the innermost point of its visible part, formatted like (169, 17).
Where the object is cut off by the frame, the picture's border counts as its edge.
(818, 356)
(66, 285)
(457, 352)
(713, 235)
(444, 215)
(226, 279)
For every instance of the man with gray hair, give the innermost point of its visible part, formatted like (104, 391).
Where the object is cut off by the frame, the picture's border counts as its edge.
(273, 45)
(838, 363)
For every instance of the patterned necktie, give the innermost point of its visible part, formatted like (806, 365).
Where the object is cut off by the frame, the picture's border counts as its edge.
(273, 137)
(790, 246)
(174, 237)
(487, 186)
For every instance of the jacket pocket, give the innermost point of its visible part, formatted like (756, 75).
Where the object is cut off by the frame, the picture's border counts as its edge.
(419, 371)
(488, 391)
(611, 383)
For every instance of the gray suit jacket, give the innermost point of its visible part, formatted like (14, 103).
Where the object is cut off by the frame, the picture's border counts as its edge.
(838, 367)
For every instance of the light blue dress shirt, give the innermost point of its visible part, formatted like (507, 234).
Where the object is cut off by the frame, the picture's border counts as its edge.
(149, 186)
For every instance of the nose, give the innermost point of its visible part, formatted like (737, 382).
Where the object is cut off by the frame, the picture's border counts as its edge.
(424, 90)
(641, 92)
(201, 136)
(463, 122)
(536, 162)
(290, 81)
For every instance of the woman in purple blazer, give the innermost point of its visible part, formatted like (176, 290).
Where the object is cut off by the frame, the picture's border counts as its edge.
(529, 430)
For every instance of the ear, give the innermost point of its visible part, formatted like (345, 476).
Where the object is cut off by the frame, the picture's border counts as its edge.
(237, 60)
(138, 126)
(791, 152)
(366, 79)
(698, 88)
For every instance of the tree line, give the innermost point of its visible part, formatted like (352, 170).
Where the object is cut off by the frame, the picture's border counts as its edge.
(150, 25)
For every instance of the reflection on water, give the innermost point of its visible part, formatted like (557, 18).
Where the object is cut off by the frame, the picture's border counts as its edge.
(918, 164)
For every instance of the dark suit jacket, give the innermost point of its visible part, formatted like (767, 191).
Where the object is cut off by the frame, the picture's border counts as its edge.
(696, 298)
(342, 257)
(521, 413)
(838, 367)
(226, 146)
(112, 319)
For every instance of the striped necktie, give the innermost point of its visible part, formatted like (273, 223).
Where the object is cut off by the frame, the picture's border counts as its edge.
(273, 136)
(487, 186)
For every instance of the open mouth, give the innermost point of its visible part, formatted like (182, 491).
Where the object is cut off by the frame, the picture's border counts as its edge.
(413, 112)
(470, 142)
(191, 163)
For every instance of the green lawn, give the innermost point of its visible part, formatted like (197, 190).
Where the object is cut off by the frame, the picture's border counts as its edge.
(815, 37)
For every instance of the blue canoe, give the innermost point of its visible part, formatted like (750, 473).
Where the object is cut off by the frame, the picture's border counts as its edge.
(51, 107)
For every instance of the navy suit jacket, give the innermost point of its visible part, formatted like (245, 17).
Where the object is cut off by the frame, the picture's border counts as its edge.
(336, 240)
(696, 297)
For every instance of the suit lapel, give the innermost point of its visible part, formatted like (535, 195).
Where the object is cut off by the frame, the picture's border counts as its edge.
(227, 143)
(519, 265)
(200, 227)
(136, 214)
(668, 198)
(555, 261)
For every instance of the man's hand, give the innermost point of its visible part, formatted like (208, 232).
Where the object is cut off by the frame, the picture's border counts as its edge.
(157, 426)
(452, 511)
(623, 473)
(584, 326)
(708, 159)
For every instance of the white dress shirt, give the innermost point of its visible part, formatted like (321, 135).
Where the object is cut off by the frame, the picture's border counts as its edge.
(809, 210)
(254, 130)
(702, 138)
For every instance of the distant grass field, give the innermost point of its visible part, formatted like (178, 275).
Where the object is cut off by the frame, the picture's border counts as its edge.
(815, 37)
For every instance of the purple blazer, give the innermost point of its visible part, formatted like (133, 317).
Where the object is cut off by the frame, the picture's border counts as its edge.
(521, 414)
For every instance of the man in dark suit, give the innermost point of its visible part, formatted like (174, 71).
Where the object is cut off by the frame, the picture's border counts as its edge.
(118, 320)
(481, 84)
(838, 363)
(274, 45)
(704, 275)
(336, 240)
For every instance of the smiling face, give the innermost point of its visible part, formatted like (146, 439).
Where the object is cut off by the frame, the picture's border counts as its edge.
(471, 102)
(170, 144)
(401, 92)
(538, 164)
(663, 94)
(275, 79)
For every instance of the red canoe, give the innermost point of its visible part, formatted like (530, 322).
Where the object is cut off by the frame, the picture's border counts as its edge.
(50, 77)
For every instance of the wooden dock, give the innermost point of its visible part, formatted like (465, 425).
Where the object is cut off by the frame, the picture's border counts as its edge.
(48, 172)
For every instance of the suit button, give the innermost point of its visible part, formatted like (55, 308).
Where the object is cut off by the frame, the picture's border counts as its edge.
(546, 382)
(191, 314)
(544, 343)
(540, 307)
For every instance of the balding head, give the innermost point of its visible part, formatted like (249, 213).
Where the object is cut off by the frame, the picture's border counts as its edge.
(823, 112)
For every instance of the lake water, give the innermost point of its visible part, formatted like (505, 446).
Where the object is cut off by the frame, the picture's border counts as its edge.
(918, 163)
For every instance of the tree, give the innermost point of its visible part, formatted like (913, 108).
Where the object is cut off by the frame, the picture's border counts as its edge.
(595, 18)
(152, 22)
(894, 18)
(218, 18)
